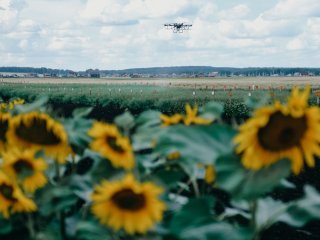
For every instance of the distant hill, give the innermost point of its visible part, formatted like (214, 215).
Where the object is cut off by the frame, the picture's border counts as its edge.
(189, 70)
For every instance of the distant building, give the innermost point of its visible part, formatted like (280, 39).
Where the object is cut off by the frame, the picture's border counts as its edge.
(213, 74)
(93, 73)
(71, 74)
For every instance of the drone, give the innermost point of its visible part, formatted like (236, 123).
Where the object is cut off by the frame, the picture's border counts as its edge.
(178, 27)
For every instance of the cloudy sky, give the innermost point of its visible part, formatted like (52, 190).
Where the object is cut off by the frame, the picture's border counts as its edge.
(118, 34)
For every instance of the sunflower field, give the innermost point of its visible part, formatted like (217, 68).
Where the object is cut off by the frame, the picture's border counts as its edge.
(185, 175)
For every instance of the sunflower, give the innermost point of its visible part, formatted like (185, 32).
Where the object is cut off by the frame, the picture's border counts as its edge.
(111, 145)
(171, 120)
(3, 106)
(192, 118)
(25, 168)
(281, 131)
(12, 199)
(210, 174)
(39, 131)
(4, 125)
(173, 155)
(128, 204)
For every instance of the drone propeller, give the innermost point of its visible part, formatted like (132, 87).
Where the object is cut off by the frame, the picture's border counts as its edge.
(178, 27)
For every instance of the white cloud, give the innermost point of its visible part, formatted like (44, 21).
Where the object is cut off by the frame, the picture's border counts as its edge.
(294, 9)
(9, 12)
(309, 38)
(130, 11)
(238, 12)
(115, 34)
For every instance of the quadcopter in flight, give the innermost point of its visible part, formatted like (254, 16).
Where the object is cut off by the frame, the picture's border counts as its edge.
(178, 27)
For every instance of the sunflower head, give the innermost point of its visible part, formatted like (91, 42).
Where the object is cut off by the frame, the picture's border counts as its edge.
(12, 199)
(3, 107)
(128, 204)
(192, 118)
(108, 141)
(39, 131)
(25, 168)
(281, 131)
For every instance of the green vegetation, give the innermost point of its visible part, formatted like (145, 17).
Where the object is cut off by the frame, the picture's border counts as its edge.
(136, 179)
(111, 100)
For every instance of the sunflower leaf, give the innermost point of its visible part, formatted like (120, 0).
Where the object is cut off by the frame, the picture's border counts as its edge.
(145, 137)
(148, 119)
(248, 184)
(196, 144)
(168, 177)
(82, 112)
(77, 129)
(6, 226)
(212, 110)
(125, 121)
(303, 210)
(55, 198)
(195, 222)
(195, 212)
(29, 107)
(87, 230)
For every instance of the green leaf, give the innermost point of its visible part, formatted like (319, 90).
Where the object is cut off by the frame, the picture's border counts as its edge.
(37, 105)
(196, 144)
(304, 210)
(242, 183)
(82, 112)
(145, 138)
(216, 231)
(55, 198)
(195, 221)
(6, 226)
(148, 119)
(268, 212)
(168, 177)
(255, 103)
(102, 168)
(125, 121)
(211, 110)
(194, 213)
(87, 230)
(77, 129)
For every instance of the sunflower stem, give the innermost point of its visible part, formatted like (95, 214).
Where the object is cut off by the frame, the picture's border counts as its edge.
(253, 214)
(62, 225)
(253, 222)
(74, 165)
(30, 226)
(57, 169)
(61, 214)
(195, 187)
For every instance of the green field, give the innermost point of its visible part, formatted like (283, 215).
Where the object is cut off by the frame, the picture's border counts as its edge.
(109, 99)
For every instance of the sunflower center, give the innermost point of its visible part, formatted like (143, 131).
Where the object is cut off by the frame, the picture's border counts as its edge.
(129, 200)
(7, 192)
(112, 142)
(282, 132)
(23, 168)
(3, 130)
(37, 133)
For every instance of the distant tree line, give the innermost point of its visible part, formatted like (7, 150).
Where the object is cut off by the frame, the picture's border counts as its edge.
(188, 70)
(42, 70)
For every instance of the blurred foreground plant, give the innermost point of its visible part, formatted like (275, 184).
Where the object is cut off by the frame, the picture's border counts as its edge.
(155, 176)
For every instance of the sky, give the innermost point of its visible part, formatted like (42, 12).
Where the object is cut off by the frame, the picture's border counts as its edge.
(121, 34)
